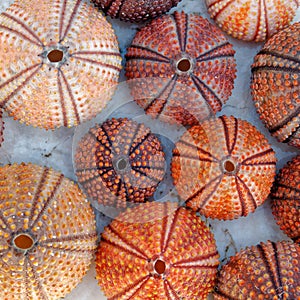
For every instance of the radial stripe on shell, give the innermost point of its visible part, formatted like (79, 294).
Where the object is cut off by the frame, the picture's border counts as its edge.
(119, 162)
(157, 251)
(266, 271)
(285, 197)
(252, 20)
(276, 85)
(180, 68)
(1, 126)
(224, 168)
(59, 62)
(47, 233)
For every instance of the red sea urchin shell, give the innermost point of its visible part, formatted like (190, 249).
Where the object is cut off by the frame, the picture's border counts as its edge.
(266, 271)
(157, 251)
(47, 233)
(286, 199)
(252, 20)
(180, 68)
(135, 10)
(59, 62)
(224, 168)
(276, 85)
(118, 162)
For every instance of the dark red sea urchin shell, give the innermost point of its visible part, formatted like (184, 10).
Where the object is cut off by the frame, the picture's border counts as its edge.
(118, 162)
(135, 10)
(286, 199)
(181, 68)
(157, 251)
(276, 85)
(266, 271)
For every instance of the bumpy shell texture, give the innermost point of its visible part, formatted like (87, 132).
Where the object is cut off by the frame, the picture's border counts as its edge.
(47, 233)
(119, 162)
(135, 10)
(252, 20)
(276, 85)
(286, 199)
(266, 271)
(157, 251)
(59, 62)
(180, 68)
(224, 168)
(1, 126)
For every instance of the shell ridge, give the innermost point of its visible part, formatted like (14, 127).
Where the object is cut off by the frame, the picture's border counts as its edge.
(69, 238)
(181, 31)
(215, 51)
(61, 97)
(257, 155)
(22, 84)
(169, 291)
(25, 27)
(136, 137)
(278, 55)
(226, 133)
(95, 137)
(160, 57)
(193, 157)
(61, 21)
(156, 180)
(221, 9)
(208, 261)
(240, 194)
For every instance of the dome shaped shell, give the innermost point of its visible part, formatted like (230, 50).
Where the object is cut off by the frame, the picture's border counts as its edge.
(47, 233)
(276, 85)
(224, 168)
(118, 162)
(252, 20)
(157, 251)
(135, 10)
(60, 62)
(266, 271)
(285, 197)
(180, 68)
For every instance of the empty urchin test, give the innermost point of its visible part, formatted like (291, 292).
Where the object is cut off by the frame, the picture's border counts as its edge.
(59, 62)
(47, 233)
(180, 68)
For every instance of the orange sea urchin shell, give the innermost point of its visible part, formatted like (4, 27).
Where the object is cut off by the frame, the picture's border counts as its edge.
(47, 233)
(59, 62)
(266, 271)
(224, 168)
(156, 251)
(180, 68)
(135, 10)
(252, 20)
(286, 199)
(276, 85)
(118, 162)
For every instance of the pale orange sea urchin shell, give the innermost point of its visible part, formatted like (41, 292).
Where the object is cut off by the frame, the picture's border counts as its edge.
(1, 126)
(157, 251)
(119, 162)
(135, 10)
(276, 85)
(285, 197)
(266, 271)
(252, 20)
(59, 62)
(47, 233)
(180, 68)
(224, 168)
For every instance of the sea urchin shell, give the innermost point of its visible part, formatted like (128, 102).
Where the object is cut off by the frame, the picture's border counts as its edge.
(252, 20)
(118, 162)
(157, 251)
(180, 68)
(286, 199)
(1, 127)
(266, 271)
(47, 233)
(276, 85)
(224, 168)
(59, 62)
(135, 10)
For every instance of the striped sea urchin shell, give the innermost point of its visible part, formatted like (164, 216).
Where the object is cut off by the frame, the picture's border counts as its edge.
(224, 168)
(286, 199)
(118, 162)
(135, 10)
(266, 271)
(252, 20)
(157, 251)
(59, 62)
(47, 233)
(276, 85)
(180, 68)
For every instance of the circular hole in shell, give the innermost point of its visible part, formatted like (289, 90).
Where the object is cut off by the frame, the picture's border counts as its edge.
(184, 65)
(229, 166)
(55, 55)
(159, 266)
(23, 241)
